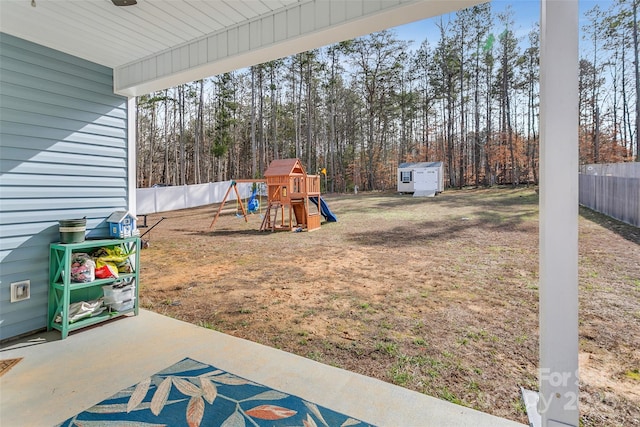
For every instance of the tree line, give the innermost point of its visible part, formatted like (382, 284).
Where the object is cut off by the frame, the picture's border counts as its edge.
(469, 98)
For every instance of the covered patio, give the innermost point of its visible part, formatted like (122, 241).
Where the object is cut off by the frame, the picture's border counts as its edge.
(57, 379)
(155, 45)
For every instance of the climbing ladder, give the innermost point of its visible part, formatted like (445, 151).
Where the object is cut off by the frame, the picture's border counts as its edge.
(269, 222)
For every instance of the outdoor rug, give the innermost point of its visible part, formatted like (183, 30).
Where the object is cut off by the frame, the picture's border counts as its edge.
(6, 364)
(191, 393)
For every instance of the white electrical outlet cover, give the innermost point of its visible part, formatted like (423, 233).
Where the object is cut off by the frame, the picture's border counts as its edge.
(20, 291)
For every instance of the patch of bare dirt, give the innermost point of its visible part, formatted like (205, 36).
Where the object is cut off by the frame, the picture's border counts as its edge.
(439, 295)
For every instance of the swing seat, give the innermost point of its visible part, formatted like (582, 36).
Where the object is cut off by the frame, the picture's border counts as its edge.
(253, 205)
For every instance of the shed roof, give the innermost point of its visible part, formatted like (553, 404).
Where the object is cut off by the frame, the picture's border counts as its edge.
(285, 167)
(421, 165)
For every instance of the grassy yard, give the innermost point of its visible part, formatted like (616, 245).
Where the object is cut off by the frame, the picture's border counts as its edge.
(438, 295)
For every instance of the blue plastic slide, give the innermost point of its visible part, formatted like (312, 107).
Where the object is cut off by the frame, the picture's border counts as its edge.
(324, 209)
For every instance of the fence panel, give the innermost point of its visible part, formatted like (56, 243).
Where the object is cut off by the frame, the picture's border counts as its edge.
(163, 199)
(170, 198)
(614, 196)
(145, 201)
(197, 195)
(623, 170)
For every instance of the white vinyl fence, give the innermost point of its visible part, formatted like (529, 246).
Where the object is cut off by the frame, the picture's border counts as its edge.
(624, 170)
(612, 189)
(163, 199)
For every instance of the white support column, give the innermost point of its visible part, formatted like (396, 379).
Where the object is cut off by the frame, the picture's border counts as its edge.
(558, 404)
(132, 199)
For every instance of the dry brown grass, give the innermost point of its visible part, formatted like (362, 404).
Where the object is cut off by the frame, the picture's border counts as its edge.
(438, 295)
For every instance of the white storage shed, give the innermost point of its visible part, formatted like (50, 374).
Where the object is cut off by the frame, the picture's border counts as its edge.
(423, 179)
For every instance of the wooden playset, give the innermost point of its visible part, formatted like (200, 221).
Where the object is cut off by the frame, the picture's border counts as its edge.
(293, 197)
(291, 194)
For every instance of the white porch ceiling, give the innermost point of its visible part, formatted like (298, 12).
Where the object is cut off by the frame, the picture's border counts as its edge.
(161, 43)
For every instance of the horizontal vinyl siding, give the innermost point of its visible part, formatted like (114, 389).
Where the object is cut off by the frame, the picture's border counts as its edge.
(63, 155)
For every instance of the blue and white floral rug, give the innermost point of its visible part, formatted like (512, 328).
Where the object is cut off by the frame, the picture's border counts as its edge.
(191, 393)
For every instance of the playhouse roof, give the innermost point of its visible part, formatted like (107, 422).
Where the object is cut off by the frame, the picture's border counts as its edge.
(285, 167)
(421, 165)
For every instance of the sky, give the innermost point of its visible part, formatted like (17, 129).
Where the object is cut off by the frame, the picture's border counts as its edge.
(526, 14)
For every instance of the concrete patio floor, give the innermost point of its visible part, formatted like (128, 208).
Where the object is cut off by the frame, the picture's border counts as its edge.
(59, 378)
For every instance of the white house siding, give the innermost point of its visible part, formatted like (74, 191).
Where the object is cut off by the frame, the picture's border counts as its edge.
(63, 155)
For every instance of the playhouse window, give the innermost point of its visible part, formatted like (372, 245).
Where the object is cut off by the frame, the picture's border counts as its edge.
(405, 176)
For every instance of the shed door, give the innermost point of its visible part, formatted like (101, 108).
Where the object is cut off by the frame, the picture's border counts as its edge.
(425, 180)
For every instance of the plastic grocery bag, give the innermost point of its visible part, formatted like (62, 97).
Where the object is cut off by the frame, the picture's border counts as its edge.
(106, 272)
(83, 268)
(115, 257)
(83, 309)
